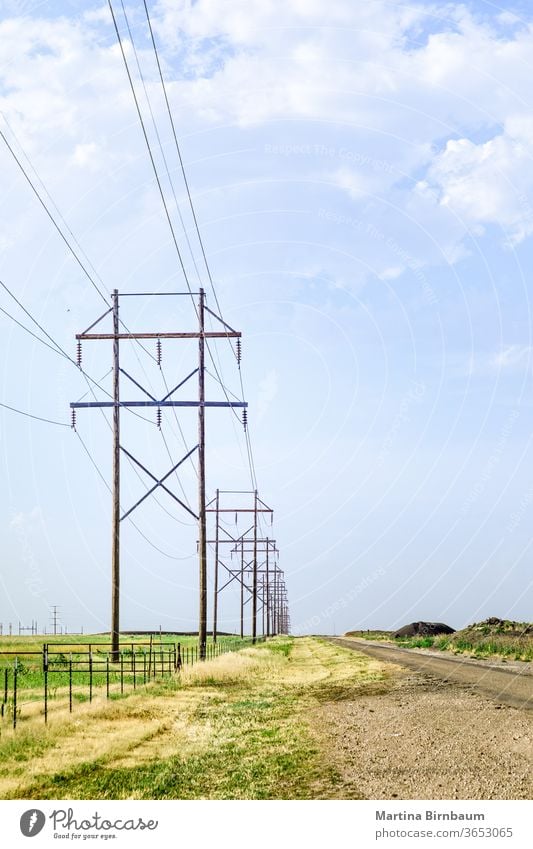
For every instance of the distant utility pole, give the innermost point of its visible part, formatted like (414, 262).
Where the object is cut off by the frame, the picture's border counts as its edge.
(55, 617)
(259, 568)
(23, 628)
(200, 404)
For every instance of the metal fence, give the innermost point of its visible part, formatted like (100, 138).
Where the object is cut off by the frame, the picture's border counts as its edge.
(77, 672)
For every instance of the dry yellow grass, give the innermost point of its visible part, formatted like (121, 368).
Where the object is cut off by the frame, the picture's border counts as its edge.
(227, 708)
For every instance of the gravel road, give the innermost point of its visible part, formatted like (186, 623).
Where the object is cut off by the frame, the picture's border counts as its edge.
(512, 686)
(441, 730)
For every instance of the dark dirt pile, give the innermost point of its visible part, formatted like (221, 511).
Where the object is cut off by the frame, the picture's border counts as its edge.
(424, 629)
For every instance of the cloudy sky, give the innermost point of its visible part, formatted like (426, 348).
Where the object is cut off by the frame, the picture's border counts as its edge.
(362, 176)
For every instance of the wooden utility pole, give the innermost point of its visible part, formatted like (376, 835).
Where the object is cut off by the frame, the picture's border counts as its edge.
(254, 583)
(202, 535)
(215, 576)
(242, 590)
(267, 592)
(115, 532)
(275, 605)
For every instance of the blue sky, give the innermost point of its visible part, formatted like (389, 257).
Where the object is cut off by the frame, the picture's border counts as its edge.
(363, 180)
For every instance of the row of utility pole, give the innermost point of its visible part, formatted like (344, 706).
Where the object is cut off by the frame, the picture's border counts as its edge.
(260, 577)
(256, 568)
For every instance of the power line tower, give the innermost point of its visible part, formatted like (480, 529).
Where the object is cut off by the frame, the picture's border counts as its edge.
(116, 404)
(259, 572)
(221, 506)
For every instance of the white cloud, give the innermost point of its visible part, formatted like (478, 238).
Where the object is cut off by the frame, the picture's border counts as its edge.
(509, 358)
(28, 522)
(512, 356)
(391, 82)
(489, 182)
(391, 273)
(357, 184)
(86, 155)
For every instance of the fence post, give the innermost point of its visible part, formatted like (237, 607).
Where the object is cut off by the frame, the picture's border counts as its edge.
(133, 669)
(121, 672)
(90, 675)
(178, 660)
(107, 677)
(45, 673)
(144, 666)
(15, 693)
(70, 683)
(4, 700)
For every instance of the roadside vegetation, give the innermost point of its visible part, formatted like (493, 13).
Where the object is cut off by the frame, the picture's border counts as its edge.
(241, 726)
(493, 637)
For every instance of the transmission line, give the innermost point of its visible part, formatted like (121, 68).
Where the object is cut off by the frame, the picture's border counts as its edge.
(195, 219)
(51, 217)
(31, 416)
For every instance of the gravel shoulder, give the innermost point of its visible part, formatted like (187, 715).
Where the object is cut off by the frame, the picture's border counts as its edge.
(428, 738)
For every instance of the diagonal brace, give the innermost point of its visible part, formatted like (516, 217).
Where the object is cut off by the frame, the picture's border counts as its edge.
(159, 482)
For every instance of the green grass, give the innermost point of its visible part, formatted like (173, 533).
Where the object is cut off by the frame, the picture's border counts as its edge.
(416, 642)
(502, 645)
(30, 674)
(492, 638)
(370, 635)
(239, 727)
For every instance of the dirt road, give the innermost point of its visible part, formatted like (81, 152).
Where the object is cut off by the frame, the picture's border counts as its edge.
(441, 729)
(512, 687)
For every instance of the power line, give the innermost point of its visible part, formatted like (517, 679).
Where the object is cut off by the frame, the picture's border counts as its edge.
(27, 330)
(200, 240)
(31, 416)
(63, 220)
(160, 144)
(161, 192)
(57, 349)
(148, 145)
(186, 182)
(30, 316)
(51, 217)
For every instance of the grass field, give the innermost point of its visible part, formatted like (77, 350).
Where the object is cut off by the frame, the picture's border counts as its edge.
(241, 726)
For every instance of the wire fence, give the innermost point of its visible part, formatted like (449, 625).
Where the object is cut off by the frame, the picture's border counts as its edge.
(31, 687)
